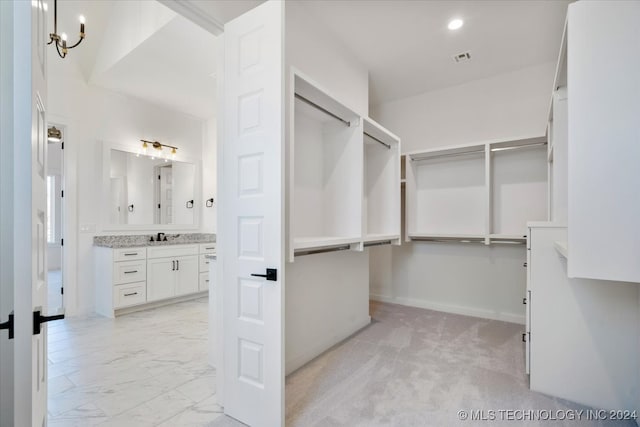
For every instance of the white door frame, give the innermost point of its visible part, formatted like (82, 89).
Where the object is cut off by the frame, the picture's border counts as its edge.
(70, 212)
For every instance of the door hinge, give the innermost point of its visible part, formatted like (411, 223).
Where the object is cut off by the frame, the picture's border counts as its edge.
(8, 325)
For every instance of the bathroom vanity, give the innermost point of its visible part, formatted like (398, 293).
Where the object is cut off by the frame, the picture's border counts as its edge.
(132, 272)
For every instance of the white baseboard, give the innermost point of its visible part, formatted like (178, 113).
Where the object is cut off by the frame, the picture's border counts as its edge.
(291, 364)
(455, 309)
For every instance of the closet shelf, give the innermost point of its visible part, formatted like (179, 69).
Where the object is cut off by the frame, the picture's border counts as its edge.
(371, 238)
(319, 242)
(431, 236)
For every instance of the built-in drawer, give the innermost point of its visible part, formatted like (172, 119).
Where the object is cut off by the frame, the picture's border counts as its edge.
(129, 294)
(208, 248)
(204, 263)
(129, 254)
(204, 282)
(171, 251)
(129, 271)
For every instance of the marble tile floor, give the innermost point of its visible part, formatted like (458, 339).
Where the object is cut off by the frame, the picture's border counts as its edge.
(142, 369)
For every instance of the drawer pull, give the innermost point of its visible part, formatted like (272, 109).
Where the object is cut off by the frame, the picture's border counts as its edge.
(131, 254)
(131, 272)
(210, 249)
(207, 280)
(131, 294)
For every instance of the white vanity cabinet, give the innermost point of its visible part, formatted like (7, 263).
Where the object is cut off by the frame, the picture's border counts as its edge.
(129, 278)
(172, 271)
(205, 249)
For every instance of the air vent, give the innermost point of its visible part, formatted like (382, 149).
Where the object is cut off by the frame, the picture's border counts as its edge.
(462, 57)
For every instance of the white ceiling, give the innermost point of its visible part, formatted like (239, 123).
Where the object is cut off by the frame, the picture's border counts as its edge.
(175, 68)
(405, 44)
(408, 49)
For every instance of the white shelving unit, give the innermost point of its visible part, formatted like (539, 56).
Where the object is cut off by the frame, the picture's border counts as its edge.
(483, 192)
(344, 173)
(446, 194)
(381, 196)
(518, 187)
(327, 170)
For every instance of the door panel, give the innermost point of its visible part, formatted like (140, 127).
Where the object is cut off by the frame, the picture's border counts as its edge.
(253, 164)
(187, 275)
(160, 278)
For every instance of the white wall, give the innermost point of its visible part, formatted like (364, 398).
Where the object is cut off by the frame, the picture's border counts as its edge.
(334, 282)
(463, 278)
(93, 114)
(503, 106)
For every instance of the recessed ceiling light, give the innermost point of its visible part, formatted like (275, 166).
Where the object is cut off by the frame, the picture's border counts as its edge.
(455, 24)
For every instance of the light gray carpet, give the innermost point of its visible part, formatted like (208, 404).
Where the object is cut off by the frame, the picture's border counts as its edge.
(415, 367)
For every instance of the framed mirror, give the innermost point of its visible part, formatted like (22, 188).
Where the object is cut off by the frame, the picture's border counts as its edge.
(149, 193)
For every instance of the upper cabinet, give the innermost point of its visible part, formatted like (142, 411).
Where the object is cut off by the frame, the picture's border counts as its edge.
(344, 174)
(603, 95)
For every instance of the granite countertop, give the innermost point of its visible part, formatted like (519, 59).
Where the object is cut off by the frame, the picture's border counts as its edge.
(141, 240)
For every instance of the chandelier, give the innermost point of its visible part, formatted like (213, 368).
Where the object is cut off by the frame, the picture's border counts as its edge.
(60, 40)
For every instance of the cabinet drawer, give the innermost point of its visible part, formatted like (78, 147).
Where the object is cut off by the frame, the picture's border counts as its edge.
(129, 254)
(129, 294)
(171, 251)
(208, 248)
(129, 271)
(204, 263)
(204, 282)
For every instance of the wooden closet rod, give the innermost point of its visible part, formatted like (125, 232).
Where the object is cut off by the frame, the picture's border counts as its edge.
(324, 110)
(377, 140)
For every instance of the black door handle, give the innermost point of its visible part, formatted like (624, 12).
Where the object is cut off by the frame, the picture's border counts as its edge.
(8, 325)
(272, 275)
(173, 266)
(177, 265)
(39, 319)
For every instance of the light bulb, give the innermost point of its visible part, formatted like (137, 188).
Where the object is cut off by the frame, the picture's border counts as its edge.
(455, 24)
(82, 20)
(173, 154)
(63, 36)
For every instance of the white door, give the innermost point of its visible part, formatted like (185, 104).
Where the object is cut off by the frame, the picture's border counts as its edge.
(252, 236)
(27, 262)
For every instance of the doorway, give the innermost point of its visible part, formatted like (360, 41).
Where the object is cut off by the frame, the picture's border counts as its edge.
(55, 218)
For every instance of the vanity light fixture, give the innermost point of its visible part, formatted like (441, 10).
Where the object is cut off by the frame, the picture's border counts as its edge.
(60, 40)
(158, 146)
(54, 134)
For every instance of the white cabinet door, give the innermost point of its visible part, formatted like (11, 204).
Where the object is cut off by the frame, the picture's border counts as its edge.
(604, 105)
(252, 237)
(161, 278)
(186, 273)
